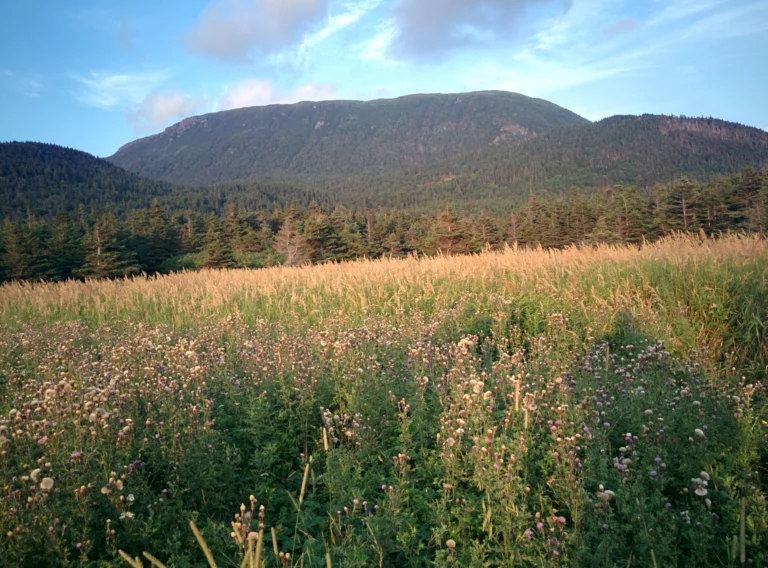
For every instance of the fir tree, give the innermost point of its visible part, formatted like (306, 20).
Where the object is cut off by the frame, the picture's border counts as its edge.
(105, 255)
(217, 250)
(65, 248)
(447, 234)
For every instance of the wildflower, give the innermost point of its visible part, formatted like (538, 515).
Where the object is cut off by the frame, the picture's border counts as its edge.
(46, 484)
(606, 496)
(701, 492)
(704, 475)
(699, 432)
(130, 498)
(450, 543)
(528, 533)
(35, 475)
(654, 473)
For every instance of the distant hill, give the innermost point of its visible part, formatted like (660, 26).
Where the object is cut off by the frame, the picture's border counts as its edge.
(339, 137)
(42, 179)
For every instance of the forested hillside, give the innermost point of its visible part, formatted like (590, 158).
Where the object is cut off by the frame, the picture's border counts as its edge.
(637, 150)
(38, 179)
(338, 137)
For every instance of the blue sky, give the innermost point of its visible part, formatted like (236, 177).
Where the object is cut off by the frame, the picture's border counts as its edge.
(95, 74)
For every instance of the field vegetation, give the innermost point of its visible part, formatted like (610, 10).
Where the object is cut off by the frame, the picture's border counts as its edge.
(590, 406)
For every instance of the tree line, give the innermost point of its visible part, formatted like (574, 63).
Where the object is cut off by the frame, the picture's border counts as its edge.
(96, 244)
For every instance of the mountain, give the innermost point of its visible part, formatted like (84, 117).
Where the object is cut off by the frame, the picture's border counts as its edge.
(637, 150)
(339, 137)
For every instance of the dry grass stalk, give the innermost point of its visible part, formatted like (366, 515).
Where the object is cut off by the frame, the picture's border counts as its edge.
(135, 562)
(203, 545)
(153, 560)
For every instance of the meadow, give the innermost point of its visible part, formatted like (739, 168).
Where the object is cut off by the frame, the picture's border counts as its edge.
(600, 406)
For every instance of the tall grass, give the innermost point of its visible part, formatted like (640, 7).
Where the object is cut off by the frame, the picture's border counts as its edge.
(584, 407)
(688, 290)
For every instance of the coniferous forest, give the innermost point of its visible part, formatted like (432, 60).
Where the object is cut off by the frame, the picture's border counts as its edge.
(92, 243)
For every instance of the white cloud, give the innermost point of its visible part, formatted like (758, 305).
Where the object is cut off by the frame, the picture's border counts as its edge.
(377, 48)
(160, 109)
(434, 28)
(582, 45)
(260, 92)
(116, 90)
(231, 29)
(299, 54)
(353, 12)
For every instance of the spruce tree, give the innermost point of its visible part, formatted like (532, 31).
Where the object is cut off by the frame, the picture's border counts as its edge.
(65, 247)
(447, 234)
(218, 251)
(105, 254)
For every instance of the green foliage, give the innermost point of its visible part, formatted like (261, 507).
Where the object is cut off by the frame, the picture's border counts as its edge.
(337, 137)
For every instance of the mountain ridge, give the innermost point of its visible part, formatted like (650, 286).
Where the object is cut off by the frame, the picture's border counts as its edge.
(338, 136)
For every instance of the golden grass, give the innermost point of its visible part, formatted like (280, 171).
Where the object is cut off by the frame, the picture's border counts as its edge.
(609, 278)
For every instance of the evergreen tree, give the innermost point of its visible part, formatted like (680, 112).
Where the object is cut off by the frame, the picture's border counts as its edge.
(714, 213)
(65, 248)
(217, 249)
(321, 236)
(191, 234)
(25, 256)
(447, 234)
(105, 254)
(682, 205)
(161, 240)
(483, 232)
(632, 221)
(512, 234)
(602, 232)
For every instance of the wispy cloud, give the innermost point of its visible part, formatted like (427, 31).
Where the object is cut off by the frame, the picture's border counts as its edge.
(590, 43)
(159, 109)
(377, 48)
(116, 90)
(350, 13)
(28, 85)
(229, 30)
(433, 29)
(260, 92)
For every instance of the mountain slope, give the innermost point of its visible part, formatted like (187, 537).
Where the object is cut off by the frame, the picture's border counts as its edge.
(338, 137)
(637, 150)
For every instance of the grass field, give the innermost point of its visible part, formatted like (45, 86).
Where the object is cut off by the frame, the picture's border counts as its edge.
(583, 407)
